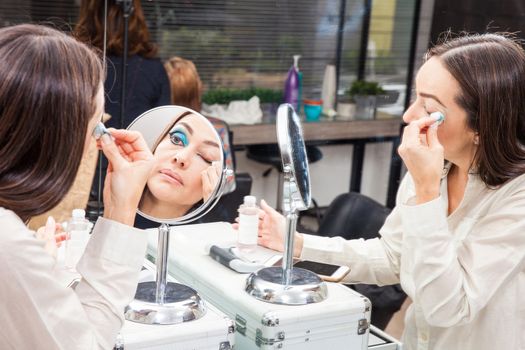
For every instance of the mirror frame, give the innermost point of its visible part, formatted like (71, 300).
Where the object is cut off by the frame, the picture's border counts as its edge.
(215, 195)
(289, 127)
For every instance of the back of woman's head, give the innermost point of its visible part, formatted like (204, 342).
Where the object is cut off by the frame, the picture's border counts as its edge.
(90, 28)
(48, 85)
(185, 83)
(490, 70)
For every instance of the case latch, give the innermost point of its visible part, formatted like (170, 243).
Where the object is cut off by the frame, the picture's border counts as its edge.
(362, 326)
(240, 324)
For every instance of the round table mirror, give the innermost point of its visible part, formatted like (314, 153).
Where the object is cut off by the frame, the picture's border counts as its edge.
(287, 284)
(185, 183)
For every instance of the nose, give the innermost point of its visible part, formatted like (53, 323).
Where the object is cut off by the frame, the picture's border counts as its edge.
(182, 158)
(411, 114)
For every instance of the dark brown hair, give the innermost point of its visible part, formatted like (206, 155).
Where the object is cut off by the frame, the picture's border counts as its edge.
(490, 70)
(48, 85)
(185, 83)
(90, 28)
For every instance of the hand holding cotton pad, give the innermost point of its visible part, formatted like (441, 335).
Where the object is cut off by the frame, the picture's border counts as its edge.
(440, 117)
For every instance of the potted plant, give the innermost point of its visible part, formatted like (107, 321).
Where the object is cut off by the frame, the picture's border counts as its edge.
(345, 107)
(226, 95)
(365, 94)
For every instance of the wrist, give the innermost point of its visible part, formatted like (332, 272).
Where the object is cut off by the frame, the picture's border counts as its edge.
(298, 246)
(426, 196)
(123, 215)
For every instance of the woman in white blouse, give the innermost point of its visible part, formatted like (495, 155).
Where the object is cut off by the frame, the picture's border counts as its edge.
(51, 98)
(456, 238)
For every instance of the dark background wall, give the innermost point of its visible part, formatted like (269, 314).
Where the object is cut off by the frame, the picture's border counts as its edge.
(478, 16)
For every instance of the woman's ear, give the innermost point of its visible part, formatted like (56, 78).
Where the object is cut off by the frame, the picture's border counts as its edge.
(476, 139)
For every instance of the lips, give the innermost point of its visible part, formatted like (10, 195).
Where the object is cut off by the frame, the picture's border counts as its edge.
(172, 176)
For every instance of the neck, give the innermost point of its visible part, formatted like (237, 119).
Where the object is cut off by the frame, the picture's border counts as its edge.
(154, 207)
(464, 165)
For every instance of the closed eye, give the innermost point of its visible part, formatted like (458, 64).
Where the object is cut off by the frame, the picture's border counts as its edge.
(205, 158)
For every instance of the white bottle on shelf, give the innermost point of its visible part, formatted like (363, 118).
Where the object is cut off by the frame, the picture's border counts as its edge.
(78, 228)
(248, 224)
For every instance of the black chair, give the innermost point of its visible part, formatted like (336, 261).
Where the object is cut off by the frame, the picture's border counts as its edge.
(352, 216)
(271, 155)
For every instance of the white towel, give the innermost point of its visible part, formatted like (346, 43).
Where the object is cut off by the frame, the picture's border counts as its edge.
(237, 112)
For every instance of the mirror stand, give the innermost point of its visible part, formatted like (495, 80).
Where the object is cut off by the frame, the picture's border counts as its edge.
(163, 302)
(287, 285)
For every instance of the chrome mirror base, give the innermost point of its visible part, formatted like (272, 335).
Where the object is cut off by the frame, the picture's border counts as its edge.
(181, 304)
(268, 284)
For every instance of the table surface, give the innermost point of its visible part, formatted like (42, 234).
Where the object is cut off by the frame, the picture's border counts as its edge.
(322, 130)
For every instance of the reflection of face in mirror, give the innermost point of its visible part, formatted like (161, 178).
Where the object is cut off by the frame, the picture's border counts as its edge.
(187, 169)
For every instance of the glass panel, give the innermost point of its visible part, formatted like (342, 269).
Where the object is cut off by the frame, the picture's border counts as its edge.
(249, 43)
(388, 52)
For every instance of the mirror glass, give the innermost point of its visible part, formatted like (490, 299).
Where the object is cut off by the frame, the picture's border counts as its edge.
(188, 168)
(293, 154)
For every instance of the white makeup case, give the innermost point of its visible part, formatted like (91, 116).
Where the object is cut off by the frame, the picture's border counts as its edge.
(339, 322)
(213, 331)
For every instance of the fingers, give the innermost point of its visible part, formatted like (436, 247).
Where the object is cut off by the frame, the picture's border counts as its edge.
(432, 138)
(415, 128)
(127, 145)
(206, 184)
(60, 237)
(40, 233)
(111, 151)
(210, 177)
(267, 209)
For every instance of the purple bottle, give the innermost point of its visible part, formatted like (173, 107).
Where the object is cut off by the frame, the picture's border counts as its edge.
(291, 87)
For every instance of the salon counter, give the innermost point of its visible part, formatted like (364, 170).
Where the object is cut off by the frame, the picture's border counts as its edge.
(322, 130)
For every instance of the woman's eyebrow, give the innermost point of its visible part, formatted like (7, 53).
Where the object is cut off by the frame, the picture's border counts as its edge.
(434, 97)
(187, 126)
(212, 143)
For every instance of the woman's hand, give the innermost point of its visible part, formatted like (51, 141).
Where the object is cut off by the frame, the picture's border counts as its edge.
(272, 230)
(423, 156)
(130, 164)
(52, 234)
(210, 177)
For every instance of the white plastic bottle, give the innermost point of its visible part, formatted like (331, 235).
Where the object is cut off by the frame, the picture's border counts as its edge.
(248, 224)
(78, 228)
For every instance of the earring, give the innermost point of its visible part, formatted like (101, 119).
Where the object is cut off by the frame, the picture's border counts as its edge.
(476, 140)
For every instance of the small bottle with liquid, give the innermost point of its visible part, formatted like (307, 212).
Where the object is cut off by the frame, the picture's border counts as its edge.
(78, 228)
(248, 224)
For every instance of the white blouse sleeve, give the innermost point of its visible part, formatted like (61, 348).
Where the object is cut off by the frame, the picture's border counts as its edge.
(373, 261)
(41, 313)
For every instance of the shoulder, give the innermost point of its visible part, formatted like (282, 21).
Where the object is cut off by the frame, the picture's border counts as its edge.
(15, 236)
(10, 222)
(514, 188)
(153, 63)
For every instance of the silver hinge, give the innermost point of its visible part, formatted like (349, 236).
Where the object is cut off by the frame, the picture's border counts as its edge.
(225, 346)
(362, 326)
(270, 319)
(119, 342)
(231, 325)
(260, 340)
(240, 324)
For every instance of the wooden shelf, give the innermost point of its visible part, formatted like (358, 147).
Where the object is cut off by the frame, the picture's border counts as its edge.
(319, 131)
